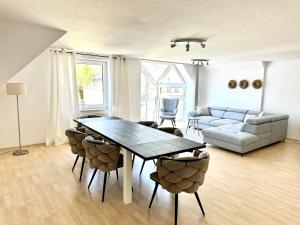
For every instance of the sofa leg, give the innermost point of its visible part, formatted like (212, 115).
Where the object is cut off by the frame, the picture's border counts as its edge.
(242, 154)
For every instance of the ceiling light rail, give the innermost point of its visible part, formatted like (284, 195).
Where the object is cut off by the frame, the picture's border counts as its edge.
(200, 62)
(187, 42)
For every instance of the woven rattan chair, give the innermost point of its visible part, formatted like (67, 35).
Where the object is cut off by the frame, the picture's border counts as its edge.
(102, 156)
(75, 141)
(181, 175)
(171, 130)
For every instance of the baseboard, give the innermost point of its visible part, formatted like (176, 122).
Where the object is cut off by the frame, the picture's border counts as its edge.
(23, 146)
(293, 140)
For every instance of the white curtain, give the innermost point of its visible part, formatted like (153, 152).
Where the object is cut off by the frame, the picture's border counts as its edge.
(63, 99)
(125, 88)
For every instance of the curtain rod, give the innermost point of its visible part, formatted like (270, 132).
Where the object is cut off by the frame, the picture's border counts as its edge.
(106, 56)
(76, 52)
(153, 60)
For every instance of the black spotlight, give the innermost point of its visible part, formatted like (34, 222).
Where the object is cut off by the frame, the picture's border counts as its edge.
(187, 47)
(173, 45)
(202, 45)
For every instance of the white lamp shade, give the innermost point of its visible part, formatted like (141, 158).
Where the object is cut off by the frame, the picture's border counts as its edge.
(16, 88)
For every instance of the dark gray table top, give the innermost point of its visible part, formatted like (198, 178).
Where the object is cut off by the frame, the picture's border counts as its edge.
(146, 142)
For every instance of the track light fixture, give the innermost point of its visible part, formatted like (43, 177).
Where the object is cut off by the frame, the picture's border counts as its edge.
(200, 62)
(187, 41)
(173, 44)
(187, 47)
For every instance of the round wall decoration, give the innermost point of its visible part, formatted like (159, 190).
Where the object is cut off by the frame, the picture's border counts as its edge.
(244, 84)
(232, 84)
(257, 84)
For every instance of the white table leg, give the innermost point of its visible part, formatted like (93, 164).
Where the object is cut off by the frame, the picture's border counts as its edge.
(127, 176)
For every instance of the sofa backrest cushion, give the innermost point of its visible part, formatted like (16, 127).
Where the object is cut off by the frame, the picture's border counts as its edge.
(251, 112)
(234, 116)
(217, 111)
(228, 109)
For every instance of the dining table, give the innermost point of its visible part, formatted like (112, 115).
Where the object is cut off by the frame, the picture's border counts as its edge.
(133, 138)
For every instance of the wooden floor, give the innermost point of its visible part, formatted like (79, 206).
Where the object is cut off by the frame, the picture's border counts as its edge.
(263, 187)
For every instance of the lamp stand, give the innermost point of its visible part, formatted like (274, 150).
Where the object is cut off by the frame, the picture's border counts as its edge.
(20, 151)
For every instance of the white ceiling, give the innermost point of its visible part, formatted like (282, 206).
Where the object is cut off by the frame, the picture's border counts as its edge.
(236, 29)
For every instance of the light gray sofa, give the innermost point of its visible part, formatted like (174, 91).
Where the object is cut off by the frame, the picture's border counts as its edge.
(225, 127)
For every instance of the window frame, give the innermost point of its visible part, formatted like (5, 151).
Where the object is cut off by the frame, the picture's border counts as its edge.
(100, 62)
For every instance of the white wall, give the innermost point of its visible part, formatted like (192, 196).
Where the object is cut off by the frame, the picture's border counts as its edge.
(34, 106)
(282, 90)
(282, 93)
(213, 85)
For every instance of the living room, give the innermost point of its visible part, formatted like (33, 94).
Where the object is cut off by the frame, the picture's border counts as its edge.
(109, 108)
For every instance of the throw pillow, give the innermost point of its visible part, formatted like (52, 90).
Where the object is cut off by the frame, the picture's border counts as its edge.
(248, 116)
(261, 114)
(202, 111)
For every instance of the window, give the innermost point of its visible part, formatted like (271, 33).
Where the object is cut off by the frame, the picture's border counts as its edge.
(91, 80)
(159, 80)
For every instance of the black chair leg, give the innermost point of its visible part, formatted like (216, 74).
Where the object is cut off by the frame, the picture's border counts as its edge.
(142, 167)
(95, 171)
(174, 121)
(117, 173)
(82, 165)
(104, 185)
(199, 202)
(154, 162)
(153, 195)
(77, 157)
(133, 158)
(176, 208)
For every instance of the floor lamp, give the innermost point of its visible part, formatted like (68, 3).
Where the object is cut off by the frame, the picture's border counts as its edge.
(17, 89)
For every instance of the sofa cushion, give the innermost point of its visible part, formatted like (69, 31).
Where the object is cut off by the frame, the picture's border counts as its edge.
(234, 116)
(216, 113)
(222, 122)
(232, 136)
(206, 119)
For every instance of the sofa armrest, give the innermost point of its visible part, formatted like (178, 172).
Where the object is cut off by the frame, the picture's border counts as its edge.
(267, 119)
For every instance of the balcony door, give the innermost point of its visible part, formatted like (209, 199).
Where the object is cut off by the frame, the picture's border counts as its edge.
(159, 80)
